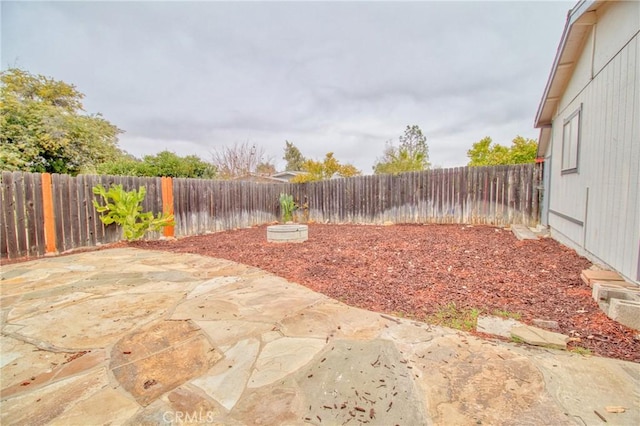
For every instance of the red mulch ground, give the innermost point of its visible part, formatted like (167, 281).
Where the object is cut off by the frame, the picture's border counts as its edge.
(415, 269)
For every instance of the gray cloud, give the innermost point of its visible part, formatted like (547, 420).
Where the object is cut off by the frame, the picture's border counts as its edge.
(342, 77)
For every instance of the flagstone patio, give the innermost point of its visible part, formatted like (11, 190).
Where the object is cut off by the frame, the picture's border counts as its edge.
(129, 336)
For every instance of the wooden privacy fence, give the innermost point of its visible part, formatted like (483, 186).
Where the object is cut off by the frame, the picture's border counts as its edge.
(44, 213)
(500, 195)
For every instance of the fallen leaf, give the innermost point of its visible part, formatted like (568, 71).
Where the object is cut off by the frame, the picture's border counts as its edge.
(614, 409)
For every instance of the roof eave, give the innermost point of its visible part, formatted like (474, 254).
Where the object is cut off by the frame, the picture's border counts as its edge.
(543, 140)
(547, 105)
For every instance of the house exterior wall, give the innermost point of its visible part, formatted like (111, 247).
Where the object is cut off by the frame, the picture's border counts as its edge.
(597, 209)
(581, 74)
(617, 23)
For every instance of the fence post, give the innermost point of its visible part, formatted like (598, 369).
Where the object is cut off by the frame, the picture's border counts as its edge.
(167, 203)
(49, 219)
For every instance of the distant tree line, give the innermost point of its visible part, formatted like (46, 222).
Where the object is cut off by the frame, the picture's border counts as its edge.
(44, 128)
(164, 163)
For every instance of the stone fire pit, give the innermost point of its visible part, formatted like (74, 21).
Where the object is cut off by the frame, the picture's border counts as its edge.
(287, 233)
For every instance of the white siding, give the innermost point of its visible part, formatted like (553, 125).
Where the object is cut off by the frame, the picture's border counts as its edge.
(613, 163)
(604, 194)
(616, 24)
(581, 73)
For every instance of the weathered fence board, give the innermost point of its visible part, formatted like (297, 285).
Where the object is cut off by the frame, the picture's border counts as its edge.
(9, 208)
(4, 251)
(21, 219)
(21, 225)
(29, 206)
(501, 196)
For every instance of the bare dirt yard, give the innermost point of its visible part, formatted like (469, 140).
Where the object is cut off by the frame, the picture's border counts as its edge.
(429, 272)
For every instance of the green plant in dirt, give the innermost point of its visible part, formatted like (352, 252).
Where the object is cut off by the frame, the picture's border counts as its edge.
(287, 207)
(581, 351)
(516, 339)
(450, 315)
(123, 208)
(507, 314)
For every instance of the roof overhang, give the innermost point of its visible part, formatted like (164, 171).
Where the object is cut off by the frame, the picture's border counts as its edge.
(580, 19)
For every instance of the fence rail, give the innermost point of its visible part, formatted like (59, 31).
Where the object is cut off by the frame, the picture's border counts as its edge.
(54, 213)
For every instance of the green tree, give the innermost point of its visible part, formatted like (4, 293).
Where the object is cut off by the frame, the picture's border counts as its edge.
(411, 154)
(124, 165)
(165, 163)
(523, 150)
(293, 157)
(486, 153)
(330, 167)
(481, 152)
(44, 128)
(169, 164)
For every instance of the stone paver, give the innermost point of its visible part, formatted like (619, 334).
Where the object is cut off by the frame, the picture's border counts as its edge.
(155, 360)
(546, 324)
(227, 380)
(589, 276)
(103, 407)
(362, 380)
(93, 323)
(538, 337)
(496, 326)
(42, 405)
(128, 336)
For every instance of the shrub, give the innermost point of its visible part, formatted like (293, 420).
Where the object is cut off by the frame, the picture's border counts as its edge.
(287, 206)
(123, 208)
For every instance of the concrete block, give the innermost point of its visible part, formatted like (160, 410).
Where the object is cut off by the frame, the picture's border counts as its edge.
(626, 312)
(539, 337)
(623, 284)
(603, 291)
(523, 233)
(541, 231)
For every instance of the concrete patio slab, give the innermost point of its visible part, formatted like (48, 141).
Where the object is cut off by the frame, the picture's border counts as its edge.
(128, 336)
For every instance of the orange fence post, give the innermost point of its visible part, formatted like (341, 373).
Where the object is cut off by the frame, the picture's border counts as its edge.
(167, 203)
(49, 219)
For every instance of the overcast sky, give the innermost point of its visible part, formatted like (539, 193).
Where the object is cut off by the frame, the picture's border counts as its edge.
(191, 77)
